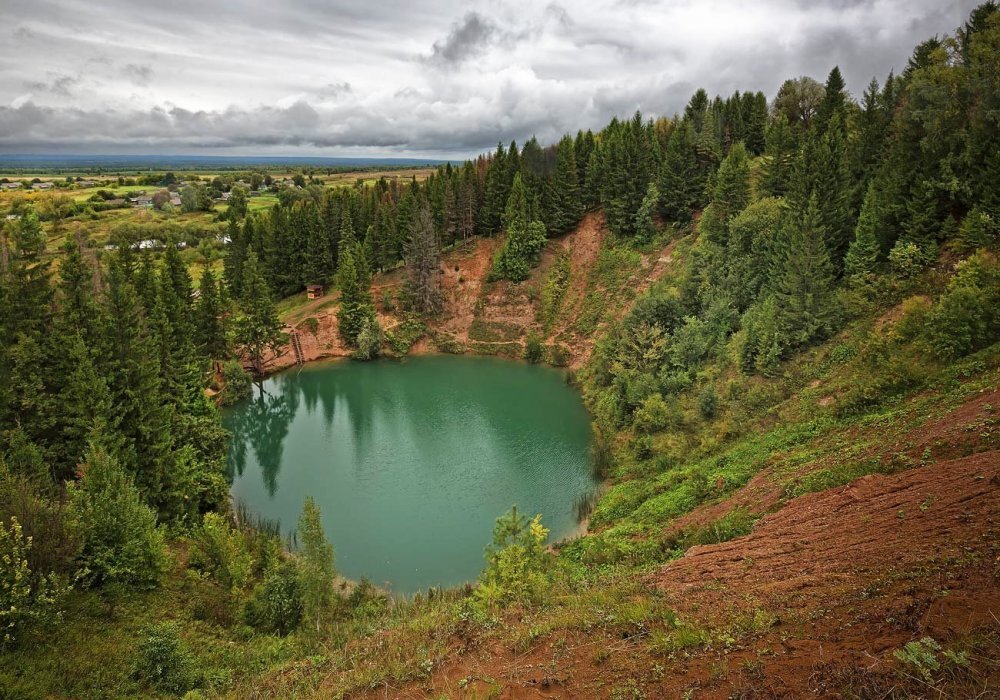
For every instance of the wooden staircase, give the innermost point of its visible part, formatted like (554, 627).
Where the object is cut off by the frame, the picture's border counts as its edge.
(297, 347)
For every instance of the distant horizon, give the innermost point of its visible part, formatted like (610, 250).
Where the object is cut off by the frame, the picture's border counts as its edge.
(23, 161)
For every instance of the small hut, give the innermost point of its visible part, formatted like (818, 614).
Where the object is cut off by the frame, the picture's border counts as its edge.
(314, 291)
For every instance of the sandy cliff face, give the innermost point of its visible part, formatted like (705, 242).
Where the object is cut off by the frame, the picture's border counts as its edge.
(570, 295)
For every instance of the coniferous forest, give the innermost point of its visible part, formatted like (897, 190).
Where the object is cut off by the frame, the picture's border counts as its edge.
(831, 288)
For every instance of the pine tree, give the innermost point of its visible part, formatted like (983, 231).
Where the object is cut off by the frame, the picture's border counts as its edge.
(257, 330)
(862, 257)
(804, 289)
(122, 548)
(679, 181)
(354, 281)
(645, 218)
(566, 205)
(525, 238)
(210, 325)
(316, 562)
(423, 287)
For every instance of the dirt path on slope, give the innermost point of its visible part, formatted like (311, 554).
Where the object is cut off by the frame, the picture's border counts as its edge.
(848, 575)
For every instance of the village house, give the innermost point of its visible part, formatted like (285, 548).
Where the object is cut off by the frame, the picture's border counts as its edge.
(42, 186)
(10, 186)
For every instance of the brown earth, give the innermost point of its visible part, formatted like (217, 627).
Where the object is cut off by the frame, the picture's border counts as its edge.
(966, 429)
(814, 601)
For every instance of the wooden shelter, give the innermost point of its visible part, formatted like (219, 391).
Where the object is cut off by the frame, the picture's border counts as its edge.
(314, 291)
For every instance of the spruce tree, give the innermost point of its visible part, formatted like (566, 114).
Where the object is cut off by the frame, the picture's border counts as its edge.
(525, 238)
(137, 399)
(123, 548)
(566, 204)
(804, 289)
(354, 281)
(257, 330)
(862, 256)
(210, 325)
(423, 286)
(679, 182)
(780, 162)
(645, 218)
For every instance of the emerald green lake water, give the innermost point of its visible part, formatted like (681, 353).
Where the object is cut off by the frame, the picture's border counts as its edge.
(411, 462)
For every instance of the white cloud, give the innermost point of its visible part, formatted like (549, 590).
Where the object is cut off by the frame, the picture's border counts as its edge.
(448, 78)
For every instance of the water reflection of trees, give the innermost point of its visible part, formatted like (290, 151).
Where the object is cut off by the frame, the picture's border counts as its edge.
(262, 425)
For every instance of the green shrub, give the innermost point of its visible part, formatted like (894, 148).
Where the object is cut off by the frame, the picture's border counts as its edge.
(967, 316)
(533, 349)
(369, 340)
(25, 598)
(238, 385)
(222, 552)
(653, 415)
(311, 324)
(708, 402)
(554, 290)
(276, 604)
(163, 660)
(906, 259)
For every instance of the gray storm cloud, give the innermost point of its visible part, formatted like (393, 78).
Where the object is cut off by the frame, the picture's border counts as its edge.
(446, 78)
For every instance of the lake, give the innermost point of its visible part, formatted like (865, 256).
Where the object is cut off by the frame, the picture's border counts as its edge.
(412, 461)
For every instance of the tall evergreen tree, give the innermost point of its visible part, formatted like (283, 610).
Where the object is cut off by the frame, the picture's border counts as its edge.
(804, 289)
(354, 281)
(257, 330)
(680, 182)
(423, 265)
(210, 324)
(566, 204)
(862, 256)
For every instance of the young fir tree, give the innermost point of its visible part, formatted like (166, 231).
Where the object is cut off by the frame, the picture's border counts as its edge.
(525, 238)
(354, 282)
(315, 563)
(257, 330)
(423, 286)
(123, 548)
(804, 289)
(861, 261)
(645, 218)
(731, 193)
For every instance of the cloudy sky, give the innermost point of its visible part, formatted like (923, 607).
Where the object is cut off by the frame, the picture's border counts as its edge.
(398, 77)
